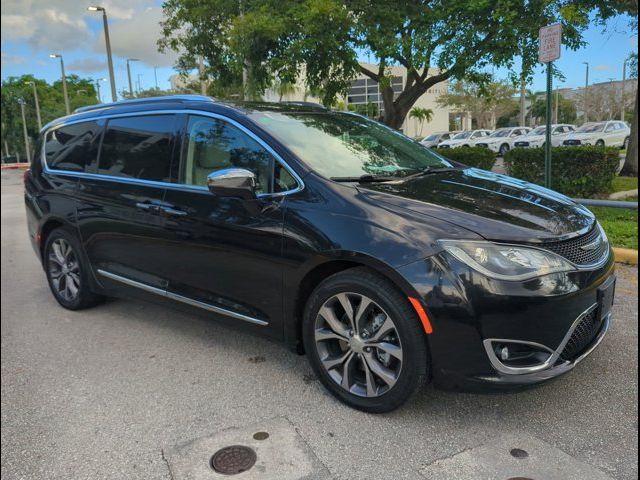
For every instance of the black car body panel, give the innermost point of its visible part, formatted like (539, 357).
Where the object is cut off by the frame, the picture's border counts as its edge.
(260, 258)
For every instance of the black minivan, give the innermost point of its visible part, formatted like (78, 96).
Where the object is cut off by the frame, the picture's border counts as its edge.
(387, 264)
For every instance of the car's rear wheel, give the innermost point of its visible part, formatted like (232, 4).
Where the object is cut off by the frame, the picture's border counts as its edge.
(504, 149)
(364, 341)
(67, 271)
(600, 143)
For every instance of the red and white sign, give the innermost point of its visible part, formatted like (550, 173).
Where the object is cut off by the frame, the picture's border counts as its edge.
(550, 41)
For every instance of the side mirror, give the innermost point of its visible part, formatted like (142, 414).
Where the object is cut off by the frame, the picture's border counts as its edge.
(233, 182)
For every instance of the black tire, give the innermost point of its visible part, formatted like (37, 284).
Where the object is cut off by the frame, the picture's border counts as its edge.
(415, 368)
(600, 143)
(504, 148)
(83, 296)
(625, 145)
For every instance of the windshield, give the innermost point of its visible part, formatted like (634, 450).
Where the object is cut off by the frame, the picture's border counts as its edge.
(337, 144)
(537, 131)
(591, 127)
(500, 133)
(462, 136)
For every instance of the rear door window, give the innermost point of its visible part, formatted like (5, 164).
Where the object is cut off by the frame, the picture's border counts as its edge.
(138, 147)
(72, 147)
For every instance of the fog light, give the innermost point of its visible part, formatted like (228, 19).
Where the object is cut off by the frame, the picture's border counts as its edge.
(503, 352)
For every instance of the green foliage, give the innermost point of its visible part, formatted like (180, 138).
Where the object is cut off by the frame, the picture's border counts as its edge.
(485, 101)
(567, 112)
(576, 171)
(472, 156)
(423, 115)
(322, 39)
(81, 92)
(621, 225)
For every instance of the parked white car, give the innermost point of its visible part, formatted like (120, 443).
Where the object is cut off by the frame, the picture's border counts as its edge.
(432, 141)
(536, 138)
(502, 140)
(464, 139)
(612, 134)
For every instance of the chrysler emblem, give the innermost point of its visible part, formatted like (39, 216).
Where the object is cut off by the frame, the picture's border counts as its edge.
(593, 245)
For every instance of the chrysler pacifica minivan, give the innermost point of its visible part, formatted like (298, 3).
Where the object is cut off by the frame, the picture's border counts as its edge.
(386, 264)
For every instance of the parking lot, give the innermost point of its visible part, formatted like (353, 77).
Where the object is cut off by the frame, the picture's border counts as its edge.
(106, 393)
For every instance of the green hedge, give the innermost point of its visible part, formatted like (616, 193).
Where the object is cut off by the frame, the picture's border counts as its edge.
(472, 156)
(575, 171)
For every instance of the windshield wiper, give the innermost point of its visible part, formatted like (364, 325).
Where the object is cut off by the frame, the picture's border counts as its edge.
(431, 170)
(364, 179)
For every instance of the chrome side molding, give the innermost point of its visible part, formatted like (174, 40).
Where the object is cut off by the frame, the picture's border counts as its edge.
(181, 298)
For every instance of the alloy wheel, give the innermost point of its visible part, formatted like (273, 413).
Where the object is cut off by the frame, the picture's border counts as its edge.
(358, 344)
(64, 270)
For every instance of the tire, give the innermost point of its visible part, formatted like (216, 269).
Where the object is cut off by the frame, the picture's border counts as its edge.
(503, 149)
(67, 271)
(389, 320)
(600, 143)
(625, 144)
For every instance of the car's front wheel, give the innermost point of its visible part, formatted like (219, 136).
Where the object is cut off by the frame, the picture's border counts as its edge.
(67, 271)
(504, 149)
(625, 145)
(364, 341)
(600, 143)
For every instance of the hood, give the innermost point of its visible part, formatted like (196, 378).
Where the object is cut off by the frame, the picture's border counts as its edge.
(497, 207)
(582, 136)
(455, 142)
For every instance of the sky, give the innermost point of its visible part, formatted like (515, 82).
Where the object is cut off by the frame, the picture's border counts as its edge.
(33, 29)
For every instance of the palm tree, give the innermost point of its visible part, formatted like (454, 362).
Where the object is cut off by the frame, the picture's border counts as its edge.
(285, 88)
(422, 115)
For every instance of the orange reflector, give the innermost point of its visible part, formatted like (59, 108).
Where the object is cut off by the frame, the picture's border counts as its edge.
(424, 318)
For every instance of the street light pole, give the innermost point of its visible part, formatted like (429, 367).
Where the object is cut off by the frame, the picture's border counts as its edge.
(155, 75)
(624, 84)
(586, 91)
(129, 60)
(24, 130)
(64, 82)
(37, 103)
(107, 41)
(98, 88)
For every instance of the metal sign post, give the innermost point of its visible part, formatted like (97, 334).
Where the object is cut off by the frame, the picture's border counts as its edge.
(549, 50)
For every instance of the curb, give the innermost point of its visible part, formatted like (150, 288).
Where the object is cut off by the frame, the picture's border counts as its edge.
(626, 255)
(623, 195)
(15, 166)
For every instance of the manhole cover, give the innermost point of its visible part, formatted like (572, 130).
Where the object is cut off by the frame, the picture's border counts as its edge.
(233, 460)
(518, 453)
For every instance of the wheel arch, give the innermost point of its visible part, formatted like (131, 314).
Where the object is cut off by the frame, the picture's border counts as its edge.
(322, 269)
(48, 226)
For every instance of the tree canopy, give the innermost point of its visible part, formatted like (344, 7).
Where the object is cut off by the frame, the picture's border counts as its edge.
(81, 92)
(321, 40)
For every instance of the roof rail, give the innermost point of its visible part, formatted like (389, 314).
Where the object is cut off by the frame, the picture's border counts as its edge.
(146, 100)
(304, 104)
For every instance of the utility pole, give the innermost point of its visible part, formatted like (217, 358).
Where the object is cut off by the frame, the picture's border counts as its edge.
(37, 104)
(129, 60)
(203, 86)
(107, 41)
(624, 84)
(64, 82)
(24, 131)
(585, 96)
(155, 75)
(523, 99)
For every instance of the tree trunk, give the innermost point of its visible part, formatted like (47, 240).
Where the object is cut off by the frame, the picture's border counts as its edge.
(630, 167)
(523, 104)
(396, 111)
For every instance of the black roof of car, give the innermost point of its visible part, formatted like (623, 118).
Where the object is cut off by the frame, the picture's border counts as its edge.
(197, 102)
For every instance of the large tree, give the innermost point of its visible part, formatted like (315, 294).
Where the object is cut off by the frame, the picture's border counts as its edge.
(50, 97)
(435, 40)
(567, 112)
(486, 102)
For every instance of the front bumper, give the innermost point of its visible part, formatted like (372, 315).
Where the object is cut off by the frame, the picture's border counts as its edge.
(466, 309)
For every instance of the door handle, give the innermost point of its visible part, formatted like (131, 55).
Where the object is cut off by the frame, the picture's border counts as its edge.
(150, 207)
(173, 212)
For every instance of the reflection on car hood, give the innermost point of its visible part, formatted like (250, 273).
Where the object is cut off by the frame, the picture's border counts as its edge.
(494, 206)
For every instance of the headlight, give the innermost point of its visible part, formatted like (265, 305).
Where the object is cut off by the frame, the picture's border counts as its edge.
(506, 262)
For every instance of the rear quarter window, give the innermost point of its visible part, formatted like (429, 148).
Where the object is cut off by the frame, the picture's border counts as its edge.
(138, 147)
(72, 147)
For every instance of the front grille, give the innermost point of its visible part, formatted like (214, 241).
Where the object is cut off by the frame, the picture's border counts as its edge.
(572, 142)
(582, 336)
(585, 250)
(521, 144)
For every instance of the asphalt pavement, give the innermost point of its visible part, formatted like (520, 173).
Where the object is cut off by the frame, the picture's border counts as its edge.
(111, 392)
